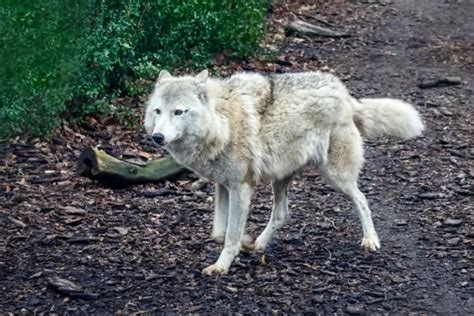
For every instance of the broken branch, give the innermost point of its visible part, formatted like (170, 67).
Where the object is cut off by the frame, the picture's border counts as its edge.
(306, 28)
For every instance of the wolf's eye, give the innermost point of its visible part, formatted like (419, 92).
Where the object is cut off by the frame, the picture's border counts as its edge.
(158, 111)
(178, 112)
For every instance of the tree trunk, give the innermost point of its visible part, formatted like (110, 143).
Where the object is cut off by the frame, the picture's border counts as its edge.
(96, 164)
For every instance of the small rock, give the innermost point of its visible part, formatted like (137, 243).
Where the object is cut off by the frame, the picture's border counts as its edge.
(325, 225)
(398, 279)
(431, 104)
(71, 289)
(121, 230)
(63, 285)
(453, 241)
(71, 210)
(401, 222)
(317, 299)
(436, 112)
(36, 275)
(17, 222)
(452, 222)
(445, 111)
(441, 254)
(355, 309)
(231, 289)
(194, 309)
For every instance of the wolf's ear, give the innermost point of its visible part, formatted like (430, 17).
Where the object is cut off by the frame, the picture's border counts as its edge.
(164, 74)
(202, 76)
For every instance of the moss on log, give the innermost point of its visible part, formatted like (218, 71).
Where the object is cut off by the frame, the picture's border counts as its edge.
(96, 164)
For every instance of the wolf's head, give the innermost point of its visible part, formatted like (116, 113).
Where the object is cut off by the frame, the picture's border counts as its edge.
(178, 108)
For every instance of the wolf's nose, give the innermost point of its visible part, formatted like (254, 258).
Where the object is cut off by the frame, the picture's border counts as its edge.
(158, 138)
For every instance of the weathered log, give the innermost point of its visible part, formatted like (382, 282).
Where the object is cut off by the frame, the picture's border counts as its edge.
(440, 82)
(96, 164)
(306, 28)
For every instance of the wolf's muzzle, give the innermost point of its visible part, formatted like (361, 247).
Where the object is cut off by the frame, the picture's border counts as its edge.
(158, 138)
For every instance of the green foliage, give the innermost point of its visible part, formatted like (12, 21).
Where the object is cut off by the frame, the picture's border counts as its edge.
(82, 53)
(39, 63)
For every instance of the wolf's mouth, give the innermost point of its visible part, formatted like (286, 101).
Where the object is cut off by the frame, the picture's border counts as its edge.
(173, 141)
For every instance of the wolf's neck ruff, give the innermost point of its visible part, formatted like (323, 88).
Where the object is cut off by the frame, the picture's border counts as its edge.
(206, 146)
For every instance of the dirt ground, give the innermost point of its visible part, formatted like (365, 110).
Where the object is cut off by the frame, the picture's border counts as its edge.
(142, 248)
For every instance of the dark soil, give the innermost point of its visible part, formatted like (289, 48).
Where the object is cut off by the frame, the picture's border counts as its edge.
(68, 244)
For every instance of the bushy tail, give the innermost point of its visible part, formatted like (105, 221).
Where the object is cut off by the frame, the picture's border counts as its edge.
(379, 117)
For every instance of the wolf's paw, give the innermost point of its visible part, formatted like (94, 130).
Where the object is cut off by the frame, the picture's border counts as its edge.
(247, 243)
(219, 238)
(215, 269)
(259, 248)
(371, 243)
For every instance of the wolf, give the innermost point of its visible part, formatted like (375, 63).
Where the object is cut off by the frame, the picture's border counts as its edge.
(252, 128)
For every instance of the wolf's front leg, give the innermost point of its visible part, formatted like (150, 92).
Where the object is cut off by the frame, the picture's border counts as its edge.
(239, 202)
(221, 212)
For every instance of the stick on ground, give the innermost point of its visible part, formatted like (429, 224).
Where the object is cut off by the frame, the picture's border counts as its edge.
(306, 28)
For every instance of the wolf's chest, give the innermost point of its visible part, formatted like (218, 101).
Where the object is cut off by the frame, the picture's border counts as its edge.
(213, 170)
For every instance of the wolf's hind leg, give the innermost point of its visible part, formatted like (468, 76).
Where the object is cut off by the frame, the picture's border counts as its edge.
(279, 213)
(221, 211)
(370, 239)
(342, 167)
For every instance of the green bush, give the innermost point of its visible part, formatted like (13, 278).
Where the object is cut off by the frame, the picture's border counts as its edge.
(38, 46)
(82, 53)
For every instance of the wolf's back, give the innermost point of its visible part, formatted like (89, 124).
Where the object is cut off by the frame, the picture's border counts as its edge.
(384, 116)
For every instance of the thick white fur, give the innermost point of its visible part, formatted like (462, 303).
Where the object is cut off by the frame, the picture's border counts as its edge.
(251, 128)
(378, 117)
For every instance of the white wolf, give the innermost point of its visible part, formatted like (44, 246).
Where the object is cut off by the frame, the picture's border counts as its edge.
(250, 128)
